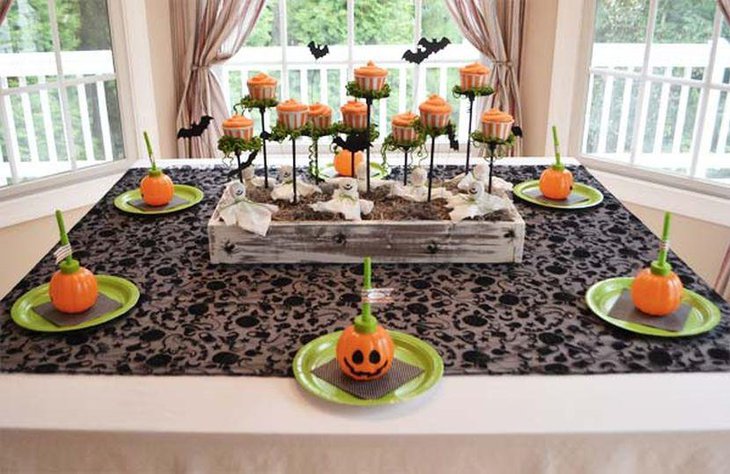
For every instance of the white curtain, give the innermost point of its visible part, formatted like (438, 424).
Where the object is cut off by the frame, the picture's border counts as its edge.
(206, 33)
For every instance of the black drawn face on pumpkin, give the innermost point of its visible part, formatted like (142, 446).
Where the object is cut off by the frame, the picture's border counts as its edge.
(365, 356)
(368, 365)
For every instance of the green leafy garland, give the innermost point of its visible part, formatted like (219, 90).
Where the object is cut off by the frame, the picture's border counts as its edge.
(354, 90)
(232, 145)
(472, 93)
(390, 144)
(494, 144)
(249, 103)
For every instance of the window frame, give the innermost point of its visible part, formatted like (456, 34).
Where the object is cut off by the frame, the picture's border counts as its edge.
(633, 170)
(128, 28)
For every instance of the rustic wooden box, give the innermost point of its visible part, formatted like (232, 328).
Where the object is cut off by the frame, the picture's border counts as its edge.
(384, 241)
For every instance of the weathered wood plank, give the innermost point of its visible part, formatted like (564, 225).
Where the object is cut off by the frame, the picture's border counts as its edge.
(385, 241)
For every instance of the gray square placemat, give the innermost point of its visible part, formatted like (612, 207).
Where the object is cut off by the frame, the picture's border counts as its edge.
(573, 197)
(400, 373)
(103, 305)
(624, 309)
(142, 206)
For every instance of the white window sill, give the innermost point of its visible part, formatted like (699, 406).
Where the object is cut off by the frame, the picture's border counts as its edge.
(688, 203)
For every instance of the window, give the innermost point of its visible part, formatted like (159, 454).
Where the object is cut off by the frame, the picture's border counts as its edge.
(59, 107)
(356, 31)
(658, 87)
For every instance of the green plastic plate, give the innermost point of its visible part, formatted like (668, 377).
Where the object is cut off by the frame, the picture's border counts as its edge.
(601, 297)
(407, 349)
(116, 288)
(594, 196)
(191, 193)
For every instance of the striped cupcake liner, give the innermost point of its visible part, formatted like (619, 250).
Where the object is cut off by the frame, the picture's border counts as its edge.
(500, 130)
(473, 81)
(321, 121)
(246, 133)
(262, 92)
(370, 83)
(404, 134)
(293, 120)
(432, 120)
(356, 121)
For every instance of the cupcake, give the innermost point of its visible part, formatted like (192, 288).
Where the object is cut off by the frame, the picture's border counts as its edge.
(354, 114)
(238, 126)
(370, 77)
(292, 114)
(473, 76)
(497, 124)
(403, 127)
(320, 116)
(262, 86)
(435, 112)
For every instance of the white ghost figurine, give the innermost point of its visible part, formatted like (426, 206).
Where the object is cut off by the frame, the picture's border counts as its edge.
(477, 202)
(346, 201)
(235, 208)
(417, 191)
(480, 173)
(362, 184)
(284, 190)
(251, 180)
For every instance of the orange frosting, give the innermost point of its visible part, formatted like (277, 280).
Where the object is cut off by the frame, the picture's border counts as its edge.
(261, 79)
(497, 116)
(435, 105)
(475, 68)
(405, 119)
(316, 110)
(237, 121)
(291, 105)
(354, 107)
(371, 70)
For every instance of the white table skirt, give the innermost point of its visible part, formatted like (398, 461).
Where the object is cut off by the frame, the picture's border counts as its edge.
(645, 423)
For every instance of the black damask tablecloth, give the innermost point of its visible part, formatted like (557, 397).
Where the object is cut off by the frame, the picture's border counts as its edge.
(198, 318)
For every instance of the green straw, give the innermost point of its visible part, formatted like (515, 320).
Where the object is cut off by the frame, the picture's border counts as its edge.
(665, 238)
(149, 150)
(367, 283)
(556, 143)
(62, 231)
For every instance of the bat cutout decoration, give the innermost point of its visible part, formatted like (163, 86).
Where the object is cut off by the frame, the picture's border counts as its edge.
(265, 135)
(196, 129)
(517, 131)
(354, 142)
(425, 49)
(318, 51)
(237, 172)
(451, 133)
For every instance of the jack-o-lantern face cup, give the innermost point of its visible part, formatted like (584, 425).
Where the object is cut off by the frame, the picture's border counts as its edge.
(157, 189)
(365, 350)
(73, 289)
(556, 182)
(657, 290)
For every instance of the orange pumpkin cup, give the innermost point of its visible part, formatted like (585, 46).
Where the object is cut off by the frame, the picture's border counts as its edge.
(343, 162)
(156, 188)
(556, 183)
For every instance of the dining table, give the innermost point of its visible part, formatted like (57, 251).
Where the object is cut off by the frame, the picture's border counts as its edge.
(197, 376)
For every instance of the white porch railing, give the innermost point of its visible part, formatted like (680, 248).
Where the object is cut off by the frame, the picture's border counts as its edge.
(667, 134)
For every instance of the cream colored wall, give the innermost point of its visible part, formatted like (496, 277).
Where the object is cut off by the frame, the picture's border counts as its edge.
(160, 37)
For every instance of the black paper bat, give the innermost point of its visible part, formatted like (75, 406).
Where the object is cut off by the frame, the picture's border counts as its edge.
(451, 133)
(425, 49)
(236, 172)
(318, 51)
(196, 129)
(517, 131)
(354, 142)
(265, 135)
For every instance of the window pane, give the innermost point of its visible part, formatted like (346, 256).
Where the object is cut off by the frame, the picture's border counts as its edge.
(321, 21)
(266, 32)
(436, 22)
(384, 21)
(84, 36)
(620, 30)
(682, 38)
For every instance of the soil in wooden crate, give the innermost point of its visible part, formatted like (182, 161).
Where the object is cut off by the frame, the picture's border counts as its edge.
(387, 208)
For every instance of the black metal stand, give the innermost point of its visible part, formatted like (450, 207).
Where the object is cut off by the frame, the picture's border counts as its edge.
(316, 161)
(492, 151)
(369, 103)
(430, 167)
(262, 111)
(468, 136)
(294, 167)
(405, 167)
(240, 170)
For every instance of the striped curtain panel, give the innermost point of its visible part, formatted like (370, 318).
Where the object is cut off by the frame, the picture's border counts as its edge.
(206, 33)
(4, 8)
(725, 8)
(722, 285)
(494, 27)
